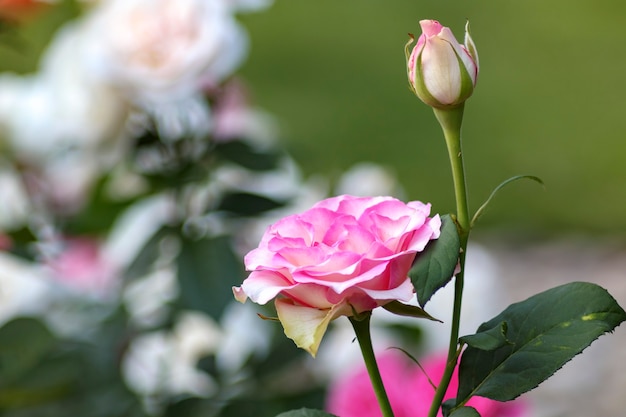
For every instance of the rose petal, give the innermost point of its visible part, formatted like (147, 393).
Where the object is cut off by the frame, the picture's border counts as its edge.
(306, 326)
(262, 286)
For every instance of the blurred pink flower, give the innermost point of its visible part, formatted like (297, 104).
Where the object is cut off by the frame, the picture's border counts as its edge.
(408, 389)
(5, 242)
(81, 265)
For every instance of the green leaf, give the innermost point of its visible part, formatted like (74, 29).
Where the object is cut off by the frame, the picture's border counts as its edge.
(408, 310)
(149, 254)
(247, 204)
(247, 156)
(465, 412)
(434, 267)
(545, 331)
(488, 340)
(482, 208)
(448, 410)
(305, 412)
(23, 344)
(207, 271)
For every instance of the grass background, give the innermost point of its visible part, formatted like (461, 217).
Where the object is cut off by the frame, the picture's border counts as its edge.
(550, 100)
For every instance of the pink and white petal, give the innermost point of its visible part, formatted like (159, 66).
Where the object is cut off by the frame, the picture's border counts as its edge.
(310, 295)
(444, 86)
(419, 206)
(337, 231)
(302, 257)
(331, 203)
(430, 27)
(387, 227)
(261, 286)
(360, 241)
(306, 326)
(356, 206)
(340, 283)
(293, 227)
(239, 294)
(257, 258)
(399, 269)
(338, 263)
(403, 292)
(321, 220)
(425, 234)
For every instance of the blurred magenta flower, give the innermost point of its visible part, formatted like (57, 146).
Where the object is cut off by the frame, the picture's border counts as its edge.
(409, 391)
(82, 266)
(345, 255)
(442, 72)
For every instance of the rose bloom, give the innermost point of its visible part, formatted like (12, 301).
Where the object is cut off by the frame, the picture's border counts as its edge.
(345, 255)
(162, 50)
(60, 107)
(408, 389)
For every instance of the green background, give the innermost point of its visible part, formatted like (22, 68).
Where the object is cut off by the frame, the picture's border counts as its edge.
(549, 102)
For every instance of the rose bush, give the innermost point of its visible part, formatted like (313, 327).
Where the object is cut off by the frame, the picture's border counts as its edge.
(344, 256)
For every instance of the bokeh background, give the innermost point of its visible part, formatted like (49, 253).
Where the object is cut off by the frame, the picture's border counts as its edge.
(331, 73)
(550, 102)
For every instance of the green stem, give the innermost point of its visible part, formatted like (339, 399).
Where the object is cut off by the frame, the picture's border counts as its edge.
(450, 121)
(361, 327)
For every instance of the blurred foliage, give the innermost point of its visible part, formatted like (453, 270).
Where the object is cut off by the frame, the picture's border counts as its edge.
(548, 102)
(333, 73)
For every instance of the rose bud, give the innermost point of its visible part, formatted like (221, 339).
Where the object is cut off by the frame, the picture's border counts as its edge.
(442, 72)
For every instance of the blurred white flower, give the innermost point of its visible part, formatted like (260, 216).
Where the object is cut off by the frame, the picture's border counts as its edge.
(235, 119)
(482, 282)
(368, 179)
(147, 299)
(162, 50)
(245, 335)
(62, 106)
(24, 288)
(15, 207)
(164, 363)
(248, 5)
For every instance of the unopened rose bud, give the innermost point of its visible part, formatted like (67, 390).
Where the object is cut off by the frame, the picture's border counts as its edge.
(442, 72)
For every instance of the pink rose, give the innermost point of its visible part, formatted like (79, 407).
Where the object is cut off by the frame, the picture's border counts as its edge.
(345, 255)
(409, 391)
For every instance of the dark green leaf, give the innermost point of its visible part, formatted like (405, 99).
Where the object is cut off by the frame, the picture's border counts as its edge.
(464, 412)
(434, 267)
(408, 310)
(207, 271)
(248, 157)
(246, 204)
(545, 331)
(23, 343)
(148, 255)
(100, 212)
(489, 339)
(305, 412)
